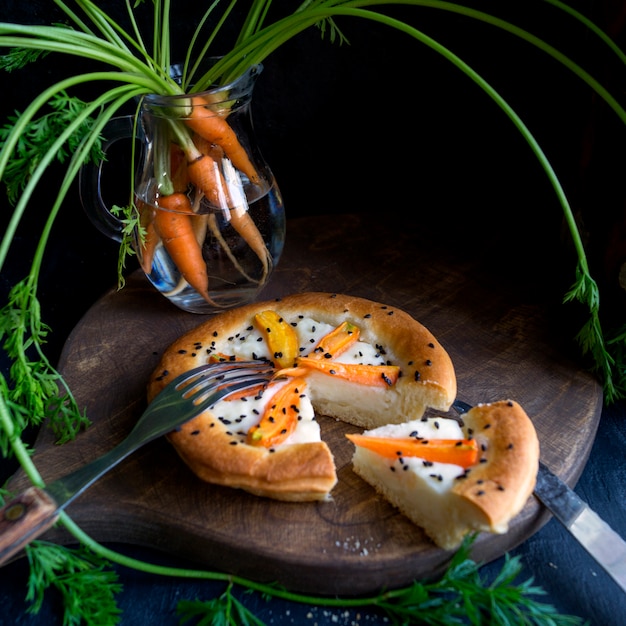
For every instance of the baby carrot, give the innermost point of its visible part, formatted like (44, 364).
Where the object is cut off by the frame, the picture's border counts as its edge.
(245, 226)
(214, 128)
(174, 226)
(148, 243)
(463, 452)
(205, 174)
(178, 168)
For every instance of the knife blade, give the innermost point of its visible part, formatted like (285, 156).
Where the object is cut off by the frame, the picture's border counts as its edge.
(605, 545)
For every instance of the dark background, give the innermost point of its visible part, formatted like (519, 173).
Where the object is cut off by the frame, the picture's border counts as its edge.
(385, 125)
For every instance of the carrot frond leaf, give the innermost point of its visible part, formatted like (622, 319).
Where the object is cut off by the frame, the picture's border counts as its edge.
(38, 137)
(19, 58)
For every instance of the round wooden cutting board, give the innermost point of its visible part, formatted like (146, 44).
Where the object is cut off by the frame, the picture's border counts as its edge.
(500, 342)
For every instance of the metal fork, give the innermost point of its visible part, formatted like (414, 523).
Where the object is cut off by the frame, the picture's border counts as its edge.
(35, 510)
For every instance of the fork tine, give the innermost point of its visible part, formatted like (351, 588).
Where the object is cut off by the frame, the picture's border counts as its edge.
(209, 397)
(212, 371)
(204, 388)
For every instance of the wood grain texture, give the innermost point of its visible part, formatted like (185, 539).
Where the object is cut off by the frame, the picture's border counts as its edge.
(502, 344)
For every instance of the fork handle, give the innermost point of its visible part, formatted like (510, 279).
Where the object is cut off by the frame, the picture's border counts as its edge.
(23, 519)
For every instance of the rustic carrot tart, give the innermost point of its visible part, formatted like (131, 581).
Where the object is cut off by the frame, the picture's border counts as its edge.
(363, 362)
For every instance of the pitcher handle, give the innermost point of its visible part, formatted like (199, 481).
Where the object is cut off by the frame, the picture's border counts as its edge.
(90, 180)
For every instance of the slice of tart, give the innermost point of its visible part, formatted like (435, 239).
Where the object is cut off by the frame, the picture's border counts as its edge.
(478, 482)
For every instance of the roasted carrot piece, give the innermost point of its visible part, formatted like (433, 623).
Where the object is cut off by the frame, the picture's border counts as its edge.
(336, 342)
(220, 357)
(280, 418)
(280, 337)
(214, 128)
(463, 452)
(371, 375)
(175, 227)
(291, 372)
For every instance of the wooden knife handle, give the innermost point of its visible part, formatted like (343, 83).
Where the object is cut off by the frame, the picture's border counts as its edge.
(23, 519)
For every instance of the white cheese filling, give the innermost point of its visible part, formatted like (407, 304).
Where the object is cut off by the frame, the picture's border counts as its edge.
(240, 415)
(251, 344)
(439, 477)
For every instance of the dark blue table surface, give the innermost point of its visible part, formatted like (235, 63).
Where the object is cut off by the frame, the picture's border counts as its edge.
(572, 580)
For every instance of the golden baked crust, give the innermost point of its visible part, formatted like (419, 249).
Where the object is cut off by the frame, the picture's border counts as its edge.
(296, 473)
(306, 471)
(501, 483)
(484, 497)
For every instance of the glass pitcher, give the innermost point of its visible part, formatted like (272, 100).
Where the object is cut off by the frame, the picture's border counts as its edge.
(209, 216)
